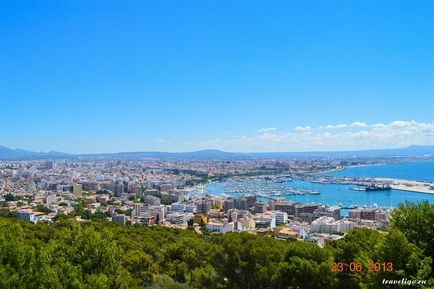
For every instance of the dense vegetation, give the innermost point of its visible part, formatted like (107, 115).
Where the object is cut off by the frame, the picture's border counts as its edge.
(99, 254)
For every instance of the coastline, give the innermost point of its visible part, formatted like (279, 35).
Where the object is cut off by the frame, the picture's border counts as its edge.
(330, 171)
(397, 184)
(347, 167)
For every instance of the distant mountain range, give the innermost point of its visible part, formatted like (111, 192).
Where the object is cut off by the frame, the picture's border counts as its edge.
(411, 151)
(20, 154)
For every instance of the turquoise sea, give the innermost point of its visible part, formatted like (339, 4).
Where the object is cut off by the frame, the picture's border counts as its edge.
(417, 171)
(332, 194)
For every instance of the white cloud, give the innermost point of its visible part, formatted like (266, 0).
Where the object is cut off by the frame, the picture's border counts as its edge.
(303, 128)
(331, 126)
(344, 125)
(354, 136)
(358, 124)
(268, 129)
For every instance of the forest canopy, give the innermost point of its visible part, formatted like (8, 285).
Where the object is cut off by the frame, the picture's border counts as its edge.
(101, 254)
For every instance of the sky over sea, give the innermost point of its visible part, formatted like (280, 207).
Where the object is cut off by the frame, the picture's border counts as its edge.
(108, 76)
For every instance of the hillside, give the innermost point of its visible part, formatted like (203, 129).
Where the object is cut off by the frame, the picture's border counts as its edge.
(105, 255)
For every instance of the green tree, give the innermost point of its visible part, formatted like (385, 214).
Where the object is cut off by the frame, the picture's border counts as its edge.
(42, 209)
(408, 260)
(416, 221)
(9, 197)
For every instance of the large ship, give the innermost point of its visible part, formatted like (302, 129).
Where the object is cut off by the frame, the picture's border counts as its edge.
(373, 187)
(378, 187)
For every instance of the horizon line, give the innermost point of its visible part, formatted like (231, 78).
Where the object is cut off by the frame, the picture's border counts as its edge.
(216, 150)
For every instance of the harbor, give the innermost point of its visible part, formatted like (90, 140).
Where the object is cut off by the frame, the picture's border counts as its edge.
(410, 186)
(386, 186)
(330, 194)
(379, 184)
(265, 187)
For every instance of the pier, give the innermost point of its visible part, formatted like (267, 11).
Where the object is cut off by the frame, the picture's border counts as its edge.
(411, 186)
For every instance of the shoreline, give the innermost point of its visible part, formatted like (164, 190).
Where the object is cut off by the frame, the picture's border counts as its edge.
(347, 167)
(413, 186)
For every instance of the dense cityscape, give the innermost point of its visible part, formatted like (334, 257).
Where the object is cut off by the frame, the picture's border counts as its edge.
(172, 193)
(153, 223)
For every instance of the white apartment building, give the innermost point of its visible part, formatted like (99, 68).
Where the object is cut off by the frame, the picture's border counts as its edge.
(281, 217)
(329, 225)
(218, 226)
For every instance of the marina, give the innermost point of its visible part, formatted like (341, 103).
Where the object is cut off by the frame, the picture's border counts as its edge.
(265, 187)
(342, 188)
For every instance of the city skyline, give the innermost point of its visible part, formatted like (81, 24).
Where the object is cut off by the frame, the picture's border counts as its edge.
(244, 76)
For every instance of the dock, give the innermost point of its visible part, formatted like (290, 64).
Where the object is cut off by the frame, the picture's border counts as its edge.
(410, 186)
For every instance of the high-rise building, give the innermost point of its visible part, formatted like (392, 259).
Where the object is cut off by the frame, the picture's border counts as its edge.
(118, 188)
(119, 218)
(49, 165)
(283, 206)
(304, 208)
(229, 204)
(260, 207)
(151, 200)
(204, 206)
(77, 190)
(363, 214)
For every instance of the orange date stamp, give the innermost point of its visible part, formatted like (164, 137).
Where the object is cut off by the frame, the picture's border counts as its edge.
(372, 267)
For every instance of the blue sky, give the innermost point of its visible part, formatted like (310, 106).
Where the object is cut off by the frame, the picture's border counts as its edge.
(106, 76)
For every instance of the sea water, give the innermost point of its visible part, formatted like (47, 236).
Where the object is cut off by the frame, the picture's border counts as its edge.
(335, 194)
